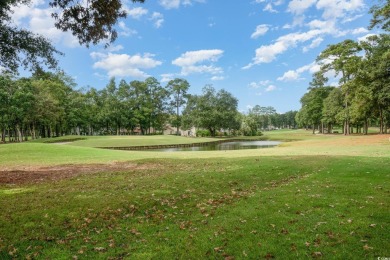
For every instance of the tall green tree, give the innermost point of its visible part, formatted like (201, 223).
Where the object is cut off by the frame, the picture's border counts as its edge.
(375, 74)
(6, 86)
(178, 89)
(342, 58)
(212, 110)
(333, 109)
(312, 107)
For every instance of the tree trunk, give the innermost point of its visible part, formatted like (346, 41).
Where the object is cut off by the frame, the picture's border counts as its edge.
(177, 116)
(19, 133)
(381, 121)
(347, 129)
(3, 135)
(366, 126)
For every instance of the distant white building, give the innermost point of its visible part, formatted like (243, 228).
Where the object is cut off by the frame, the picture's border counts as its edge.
(170, 130)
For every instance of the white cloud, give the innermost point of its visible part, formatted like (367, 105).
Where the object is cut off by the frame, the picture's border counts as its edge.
(268, 53)
(167, 77)
(39, 21)
(137, 12)
(360, 30)
(174, 4)
(289, 76)
(124, 65)
(312, 68)
(260, 30)
(339, 9)
(113, 48)
(259, 84)
(215, 78)
(125, 30)
(170, 4)
(192, 57)
(193, 62)
(351, 18)
(270, 88)
(157, 19)
(295, 75)
(315, 43)
(97, 55)
(269, 8)
(300, 6)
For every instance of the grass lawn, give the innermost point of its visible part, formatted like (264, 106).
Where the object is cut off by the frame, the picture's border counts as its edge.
(322, 196)
(126, 140)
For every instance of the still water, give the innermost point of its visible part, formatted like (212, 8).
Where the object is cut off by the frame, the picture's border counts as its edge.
(237, 145)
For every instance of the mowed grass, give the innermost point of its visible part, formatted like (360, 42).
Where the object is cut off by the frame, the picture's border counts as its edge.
(22, 155)
(126, 140)
(283, 207)
(322, 196)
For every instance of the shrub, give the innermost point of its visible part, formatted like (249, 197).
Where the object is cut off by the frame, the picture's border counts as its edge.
(203, 133)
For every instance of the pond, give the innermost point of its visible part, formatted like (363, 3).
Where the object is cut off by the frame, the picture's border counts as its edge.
(236, 145)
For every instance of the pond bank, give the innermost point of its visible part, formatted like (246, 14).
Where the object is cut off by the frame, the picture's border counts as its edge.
(166, 146)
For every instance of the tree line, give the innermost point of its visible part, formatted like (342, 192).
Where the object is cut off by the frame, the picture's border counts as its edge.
(49, 105)
(362, 97)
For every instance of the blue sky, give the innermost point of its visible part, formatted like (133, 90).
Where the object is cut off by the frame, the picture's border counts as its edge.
(262, 51)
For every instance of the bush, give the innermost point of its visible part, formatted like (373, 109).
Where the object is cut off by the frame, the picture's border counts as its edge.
(203, 133)
(247, 132)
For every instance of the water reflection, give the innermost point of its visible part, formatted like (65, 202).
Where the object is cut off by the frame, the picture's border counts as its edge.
(237, 145)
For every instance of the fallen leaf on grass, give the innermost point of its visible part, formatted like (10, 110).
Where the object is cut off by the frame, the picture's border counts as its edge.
(372, 225)
(317, 242)
(218, 249)
(366, 247)
(135, 232)
(316, 254)
(284, 231)
(99, 249)
(293, 247)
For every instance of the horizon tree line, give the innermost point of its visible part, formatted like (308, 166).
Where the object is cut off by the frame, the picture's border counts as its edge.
(49, 105)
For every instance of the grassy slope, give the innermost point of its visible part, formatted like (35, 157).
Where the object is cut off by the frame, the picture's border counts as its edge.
(301, 200)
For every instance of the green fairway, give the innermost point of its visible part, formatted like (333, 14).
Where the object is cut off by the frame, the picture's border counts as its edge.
(123, 141)
(322, 196)
(37, 153)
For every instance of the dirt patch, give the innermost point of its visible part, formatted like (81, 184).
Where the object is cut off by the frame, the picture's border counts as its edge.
(38, 174)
